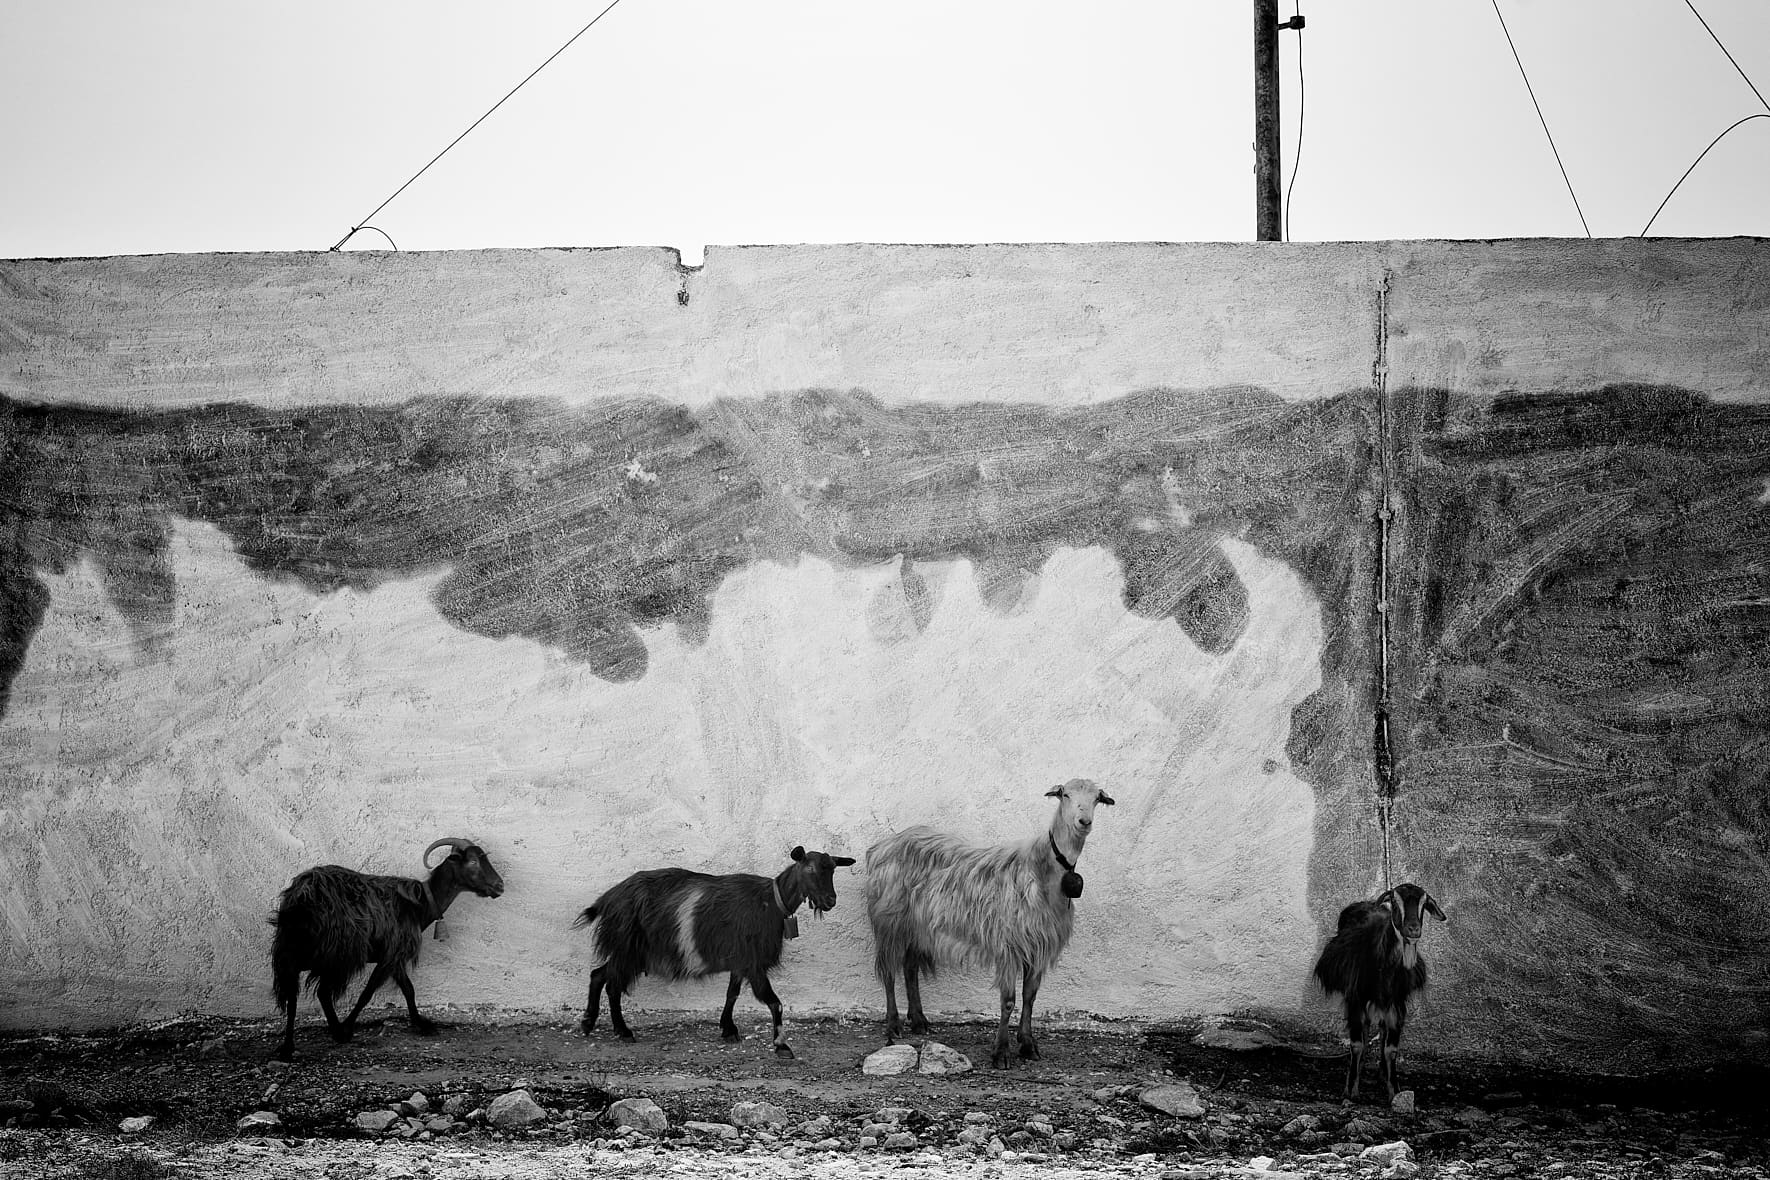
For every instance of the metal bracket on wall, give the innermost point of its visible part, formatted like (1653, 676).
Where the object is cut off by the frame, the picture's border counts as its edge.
(1384, 754)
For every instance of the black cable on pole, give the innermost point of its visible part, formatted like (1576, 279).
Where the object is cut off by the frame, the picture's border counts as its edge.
(1692, 168)
(1736, 65)
(402, 188)
(1540, 119)
(1297, 160)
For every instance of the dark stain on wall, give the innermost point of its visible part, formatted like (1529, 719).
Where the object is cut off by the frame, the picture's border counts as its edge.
(1582, 696)
(578, 527)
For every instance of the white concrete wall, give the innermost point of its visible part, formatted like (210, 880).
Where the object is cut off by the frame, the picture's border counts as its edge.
(274, 728)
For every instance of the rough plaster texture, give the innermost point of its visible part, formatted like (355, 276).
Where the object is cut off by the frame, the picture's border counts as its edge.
(607, 564)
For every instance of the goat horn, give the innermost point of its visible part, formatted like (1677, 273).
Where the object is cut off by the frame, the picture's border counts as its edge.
(451, 841)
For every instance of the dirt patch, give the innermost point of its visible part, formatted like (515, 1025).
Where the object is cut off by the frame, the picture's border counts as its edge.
(63, 1097)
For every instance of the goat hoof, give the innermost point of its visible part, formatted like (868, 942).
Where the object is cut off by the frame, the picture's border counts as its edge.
(731, 1038)
(586, 1027)
(285, 1054)
(426, 1028)
(1029, 1052)
(626, 1036)
(783, 1051)
(918, 1025)
(1001, 1060)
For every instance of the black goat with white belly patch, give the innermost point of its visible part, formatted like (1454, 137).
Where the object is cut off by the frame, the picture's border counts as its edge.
(681, 924)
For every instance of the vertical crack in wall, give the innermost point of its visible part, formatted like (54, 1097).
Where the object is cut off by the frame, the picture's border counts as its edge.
(1384, 760)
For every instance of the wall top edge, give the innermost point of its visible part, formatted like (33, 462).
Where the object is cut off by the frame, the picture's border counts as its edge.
(1052, 323)
(1380, 245)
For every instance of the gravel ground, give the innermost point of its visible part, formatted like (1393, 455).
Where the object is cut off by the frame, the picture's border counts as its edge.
(1266, 1106)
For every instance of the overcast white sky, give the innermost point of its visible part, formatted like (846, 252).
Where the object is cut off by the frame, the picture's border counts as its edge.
(196, 125)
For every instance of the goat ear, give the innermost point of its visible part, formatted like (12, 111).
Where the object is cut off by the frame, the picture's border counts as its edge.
(798, 852)
(1432, 908)
(1054, 793)
(1106, 799)
(842, 862)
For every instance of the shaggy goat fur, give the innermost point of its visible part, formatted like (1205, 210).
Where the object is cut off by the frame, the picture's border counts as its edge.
(1373, 961)
(333, 921)
(680, 924)
(937, 900)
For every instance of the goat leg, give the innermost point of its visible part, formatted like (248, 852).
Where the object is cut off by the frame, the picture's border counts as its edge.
(615, 986)
(286, 1049)
(1391, 1050)
(288, 984)
(912, 990)
(764, 991)
(420, 1024)
(1356, 1029)
(1029, 988)
(893, 1024)
(341, 1031)
(377, 977)
(999, 1058)
(593, 1004)
(728, 1028)
(1387, 1066)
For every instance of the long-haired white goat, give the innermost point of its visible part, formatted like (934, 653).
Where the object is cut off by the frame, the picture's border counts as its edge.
(935, 900)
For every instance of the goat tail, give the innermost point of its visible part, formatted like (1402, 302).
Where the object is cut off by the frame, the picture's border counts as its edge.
(585, 918)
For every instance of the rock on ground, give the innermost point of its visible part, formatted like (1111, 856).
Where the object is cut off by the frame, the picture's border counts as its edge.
(642, 1113)
(1241, 1039)
(937, 1058)
(892, 1059)
(514, 1110)
(375, 1121)
(1388, 1153)
(757, 1114)
(1178, 1099)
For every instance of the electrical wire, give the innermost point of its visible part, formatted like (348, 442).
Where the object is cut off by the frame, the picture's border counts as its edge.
(1736, 65)
(1692, 168)
(1705, 151)
(402, 188)
(380, 231)
(1297, 160)
(1539, 115)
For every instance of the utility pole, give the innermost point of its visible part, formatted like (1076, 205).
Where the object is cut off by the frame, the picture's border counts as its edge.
(1267, 212)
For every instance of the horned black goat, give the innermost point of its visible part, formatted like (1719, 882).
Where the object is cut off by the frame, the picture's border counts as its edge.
(680, 924)
(333, 921)
(1373, 961)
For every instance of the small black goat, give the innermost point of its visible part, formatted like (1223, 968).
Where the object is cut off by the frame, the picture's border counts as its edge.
(1373, 961)
(680, 924)
(333, 921)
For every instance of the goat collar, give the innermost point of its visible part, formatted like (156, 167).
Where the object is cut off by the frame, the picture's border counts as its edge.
(776, 886)
(440, 932)
(1068, 865)
(1071, 883)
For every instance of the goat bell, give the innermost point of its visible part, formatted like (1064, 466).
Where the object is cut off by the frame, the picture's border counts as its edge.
(1071, 884)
